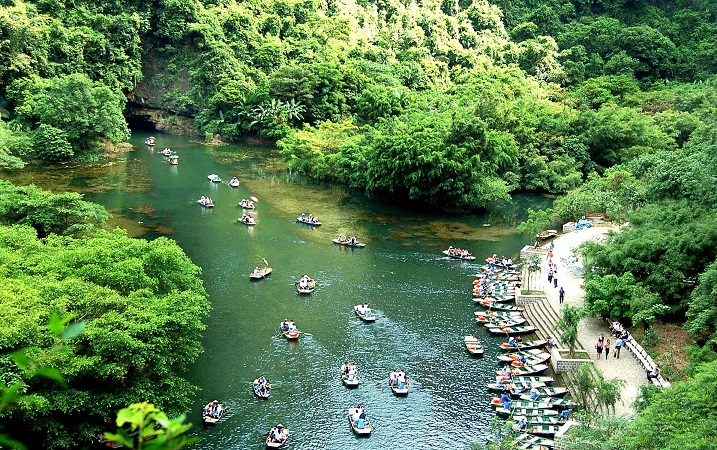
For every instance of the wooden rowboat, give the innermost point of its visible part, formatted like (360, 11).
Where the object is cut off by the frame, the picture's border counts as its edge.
(547, 379)
(526, 412)
(261, 391)
(495, 402)
(350, 380)
(539, 429)
(531, 442)
(508, 323)
(468, 257)
(365, 314)
(544, 420)
(348, 243)
(525, 370)
(520, 329)
(306, 221)
(270, 443)
(498, 306)
(547, 392)
(517, 387)
(538, 343)
(473, 345)
(510, 357)
(361, 427)
(306, 289)
(498, 314)
(530, 361)
(262, 273)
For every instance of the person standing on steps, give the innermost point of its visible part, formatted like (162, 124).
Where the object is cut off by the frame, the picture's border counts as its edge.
(561, 295)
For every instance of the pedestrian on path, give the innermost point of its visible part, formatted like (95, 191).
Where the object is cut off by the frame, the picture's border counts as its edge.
(618, 346)
(606, 347)
(550, 276)
(598, 347)
(561, 295)
(555, 277)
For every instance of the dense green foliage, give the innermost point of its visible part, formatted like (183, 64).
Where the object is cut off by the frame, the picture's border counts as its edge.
(141, 303)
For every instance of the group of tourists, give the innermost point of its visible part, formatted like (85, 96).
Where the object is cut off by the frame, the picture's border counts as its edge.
(288, 326)
(245, 218)
(364, 309)
(352, 240)
(278, 434)
(244, 203)
(309, 219)
(213, 409)
(359, 417)
(205, 201)
(458, 252)
(263, 385)
(304, 282)
(398, 378)
(350, 370)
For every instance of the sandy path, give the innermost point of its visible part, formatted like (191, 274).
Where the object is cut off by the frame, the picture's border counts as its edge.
(570, 278)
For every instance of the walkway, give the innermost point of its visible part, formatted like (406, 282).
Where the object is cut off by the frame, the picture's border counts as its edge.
(570, 278)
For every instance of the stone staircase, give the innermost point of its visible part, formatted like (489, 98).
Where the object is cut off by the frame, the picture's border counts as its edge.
(541, 314)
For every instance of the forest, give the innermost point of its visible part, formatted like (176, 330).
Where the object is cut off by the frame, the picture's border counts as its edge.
(451, 105)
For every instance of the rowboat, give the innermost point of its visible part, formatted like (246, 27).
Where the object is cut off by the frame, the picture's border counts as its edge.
(467, 257)
(306, 287)
(306, 221)
(529, 360)
(212, 413)
(246, 220)
(206, 202)
(498, 306)
(348, 243)
(246, 204)
(473, 345)
(290, 335)
(544, 420)
(360, 425)
(496, 401)
(214, 178)
(539, 429)
(520, 329)
(167, 152)
(365, 313)
(261, 390)
(258, 274)
(149, 141)
(547, 392)
(399, 388)
(559, 403)
(510, 357)
(350, 379)
(531, 442)
(477, 298)
(547, 234)
(513, 388)
(538, 343)
(234, 182)
(498, 314)
(526, 412)
(501, 323)
(272, 442)
(547, 379)
(525, 370)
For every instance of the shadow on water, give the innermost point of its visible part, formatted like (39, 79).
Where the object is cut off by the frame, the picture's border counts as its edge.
(424, 299)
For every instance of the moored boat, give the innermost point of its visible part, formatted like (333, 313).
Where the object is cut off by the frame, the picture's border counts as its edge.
(510, 357)
(505, 322)
(546, 391)
(538, 429)
(507, 315)
(359, 423)
(526, 412)
(277, 437)
(519, 329)
(499, 306)
(538, 343)
(545, 420)
(496, 401)
(529, 360)
(531, 442)
(548, 379)
(473, 345)
(513, 388)
(212, 413)
(365, 313)
(525, 370)
(559, 403)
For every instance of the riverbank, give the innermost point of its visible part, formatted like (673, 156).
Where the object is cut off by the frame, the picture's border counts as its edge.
(570, 277)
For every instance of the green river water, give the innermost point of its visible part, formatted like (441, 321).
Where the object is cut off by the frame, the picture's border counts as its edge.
(424, 298)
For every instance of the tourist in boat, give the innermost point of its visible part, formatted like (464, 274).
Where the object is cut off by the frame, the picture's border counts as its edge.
(511, 342)
(213, 409)
(534, 394)
(303, 217)
(505, 400)
(256, 270)
(393, 378)
(523, 423)
(278, 433)
(285, 325)
(291, 326)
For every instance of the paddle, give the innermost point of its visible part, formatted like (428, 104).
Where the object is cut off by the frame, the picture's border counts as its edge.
(308, 334)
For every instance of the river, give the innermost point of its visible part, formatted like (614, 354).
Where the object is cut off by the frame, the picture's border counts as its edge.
(423, 299)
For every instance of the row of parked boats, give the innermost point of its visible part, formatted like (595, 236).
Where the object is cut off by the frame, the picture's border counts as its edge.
(522, 393)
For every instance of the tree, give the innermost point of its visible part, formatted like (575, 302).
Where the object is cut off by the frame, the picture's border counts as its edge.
(51, 144)
(536, 222)
(142, 426)
(570, 317)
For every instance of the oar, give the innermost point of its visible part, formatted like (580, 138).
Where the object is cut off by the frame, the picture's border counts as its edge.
(308, 334)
